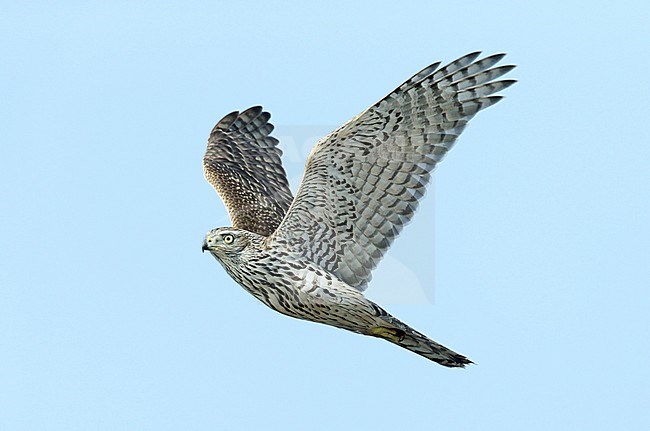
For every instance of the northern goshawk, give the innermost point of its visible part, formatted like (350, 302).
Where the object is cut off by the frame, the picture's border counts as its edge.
(311, 256)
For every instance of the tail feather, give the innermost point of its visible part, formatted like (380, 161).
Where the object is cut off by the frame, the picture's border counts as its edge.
(424, 346)
(404, 336)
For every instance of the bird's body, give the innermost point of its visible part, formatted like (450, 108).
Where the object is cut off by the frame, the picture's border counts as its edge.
(311, 257)
(293, 285)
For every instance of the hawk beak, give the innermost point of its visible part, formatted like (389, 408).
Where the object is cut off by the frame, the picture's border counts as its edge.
(204, 247)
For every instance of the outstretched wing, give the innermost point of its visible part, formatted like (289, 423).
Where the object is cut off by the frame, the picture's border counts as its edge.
(242, 162)
(363, 181)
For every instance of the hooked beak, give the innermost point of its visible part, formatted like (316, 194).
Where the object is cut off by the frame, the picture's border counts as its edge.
(205, 247)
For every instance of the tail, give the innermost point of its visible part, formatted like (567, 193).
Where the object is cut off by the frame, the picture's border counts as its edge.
(404, 336)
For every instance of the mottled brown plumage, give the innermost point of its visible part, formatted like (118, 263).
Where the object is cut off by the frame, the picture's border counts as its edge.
(311, 257)
(242, 162)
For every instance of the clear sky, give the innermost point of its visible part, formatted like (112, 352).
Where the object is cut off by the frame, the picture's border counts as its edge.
(529, 255)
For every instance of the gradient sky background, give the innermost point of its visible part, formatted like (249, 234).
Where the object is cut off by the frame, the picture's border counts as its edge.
(530, 255)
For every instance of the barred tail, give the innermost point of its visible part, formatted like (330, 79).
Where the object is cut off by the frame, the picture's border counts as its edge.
(424, 346)
(408, 338)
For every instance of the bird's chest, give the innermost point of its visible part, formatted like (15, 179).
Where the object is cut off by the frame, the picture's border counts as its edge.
(291, 287)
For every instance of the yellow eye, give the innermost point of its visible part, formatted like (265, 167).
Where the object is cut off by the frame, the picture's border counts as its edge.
(228, 239)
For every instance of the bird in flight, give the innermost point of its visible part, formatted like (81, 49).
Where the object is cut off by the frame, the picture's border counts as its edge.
(311, 256)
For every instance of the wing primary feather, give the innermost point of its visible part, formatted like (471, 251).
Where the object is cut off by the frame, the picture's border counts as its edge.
(363, 182)
(243, 164)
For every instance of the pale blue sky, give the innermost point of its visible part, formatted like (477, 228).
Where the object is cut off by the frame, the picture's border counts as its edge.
(530, 255)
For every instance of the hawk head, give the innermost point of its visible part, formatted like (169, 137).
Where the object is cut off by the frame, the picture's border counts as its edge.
(228, 242)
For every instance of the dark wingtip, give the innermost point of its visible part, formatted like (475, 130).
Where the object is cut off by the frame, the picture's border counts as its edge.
(498, 55)
(253, 111)
(244, 117)
(225, 122)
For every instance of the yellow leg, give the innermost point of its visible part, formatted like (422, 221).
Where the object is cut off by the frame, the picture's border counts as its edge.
(394, 335)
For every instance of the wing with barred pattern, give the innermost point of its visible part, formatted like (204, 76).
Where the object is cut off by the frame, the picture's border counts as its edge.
(363, 182)
(242, 162)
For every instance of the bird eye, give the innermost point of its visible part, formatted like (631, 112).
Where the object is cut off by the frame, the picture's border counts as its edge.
(228, 239)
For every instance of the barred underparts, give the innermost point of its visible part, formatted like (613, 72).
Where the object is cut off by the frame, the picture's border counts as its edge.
(311, 257)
